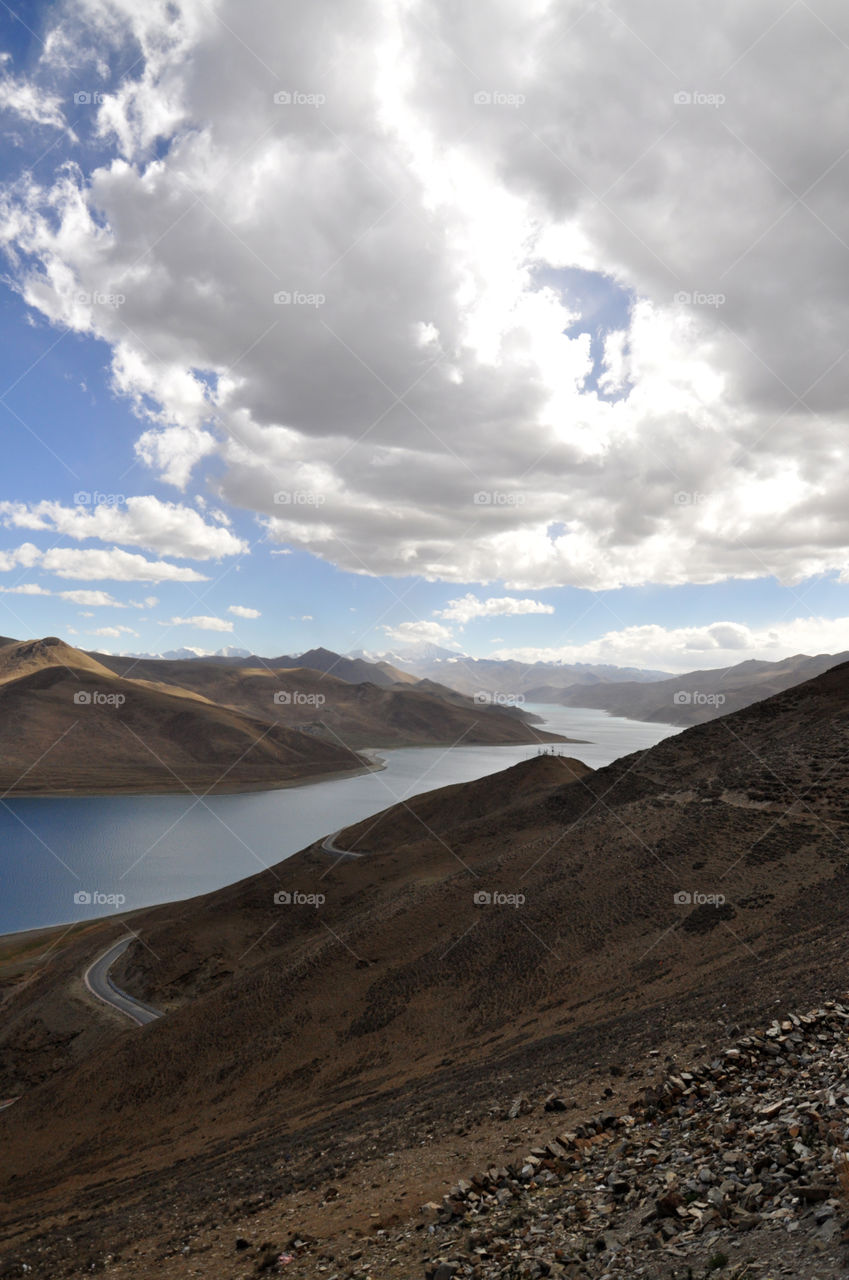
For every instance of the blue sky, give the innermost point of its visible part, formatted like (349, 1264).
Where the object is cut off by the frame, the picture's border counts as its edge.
(661, 472)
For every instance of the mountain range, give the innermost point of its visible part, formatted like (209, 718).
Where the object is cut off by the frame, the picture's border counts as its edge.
(696, 696)
(72, 721)
(473, 675)
(693, 697)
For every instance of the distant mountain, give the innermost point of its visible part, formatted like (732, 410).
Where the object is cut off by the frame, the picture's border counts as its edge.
(507, 677)
(69, 723)
(355, 671)
(409, 655)
(185, 654)
(336, 709)
(699, 696)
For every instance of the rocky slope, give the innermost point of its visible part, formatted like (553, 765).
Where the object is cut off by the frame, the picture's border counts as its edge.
(733, 1166)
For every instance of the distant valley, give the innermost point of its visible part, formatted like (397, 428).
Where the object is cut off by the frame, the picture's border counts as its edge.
(655, 696)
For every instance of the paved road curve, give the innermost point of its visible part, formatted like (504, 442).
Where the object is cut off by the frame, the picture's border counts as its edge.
(328, 844)
(101, 985)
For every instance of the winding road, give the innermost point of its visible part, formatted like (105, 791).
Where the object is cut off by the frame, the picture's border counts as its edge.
(102, 987)
(328, 845)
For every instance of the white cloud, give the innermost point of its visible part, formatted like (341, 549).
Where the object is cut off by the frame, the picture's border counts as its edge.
(414, 633)
(26, 554)
(101, 599)
(430, 224)
(26, 589)
(145, 521)
(467, 607)
(114, 631)
(121, 566)
(202, 622)
(27, 101)
(720, 644)
(241, 611)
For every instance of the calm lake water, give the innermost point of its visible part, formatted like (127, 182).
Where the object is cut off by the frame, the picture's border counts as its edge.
(151, 849)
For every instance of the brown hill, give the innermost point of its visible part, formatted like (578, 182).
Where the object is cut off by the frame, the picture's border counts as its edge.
(69, 724)
(458, 807)
(696, 696)
(23, 657)
(359, 715)
(520, 936)
(352, 670)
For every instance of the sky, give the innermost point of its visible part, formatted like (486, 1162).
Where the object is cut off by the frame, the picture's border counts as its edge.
(516, 329)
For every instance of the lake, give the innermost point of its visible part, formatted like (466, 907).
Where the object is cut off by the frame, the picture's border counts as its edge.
(151, 849)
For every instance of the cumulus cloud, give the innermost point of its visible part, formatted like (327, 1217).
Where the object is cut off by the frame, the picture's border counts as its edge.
(26, 589)
(120, 566)
(145, 521)
(241, 611)
(202, 622)
(26, 555)
(101, 599)
(409, 205)
(114, 631)
(675, 649)
(469, 606)
(416, 633)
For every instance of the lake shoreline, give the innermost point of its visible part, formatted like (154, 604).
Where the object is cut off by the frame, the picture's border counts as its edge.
(179, 788)
(146, 849)
(222, 789)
